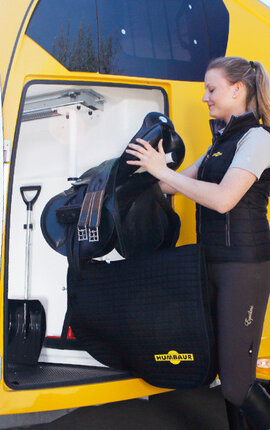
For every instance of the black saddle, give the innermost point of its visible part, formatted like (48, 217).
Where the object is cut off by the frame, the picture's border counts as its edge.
(111, 206)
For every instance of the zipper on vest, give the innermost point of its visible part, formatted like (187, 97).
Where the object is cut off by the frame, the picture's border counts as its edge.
(228, 229)
(201, 178)
(200, 206)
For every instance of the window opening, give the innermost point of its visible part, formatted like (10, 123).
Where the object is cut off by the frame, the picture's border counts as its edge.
(168, 39)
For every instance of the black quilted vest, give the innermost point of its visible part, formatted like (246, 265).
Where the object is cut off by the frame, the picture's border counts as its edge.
(241, 234)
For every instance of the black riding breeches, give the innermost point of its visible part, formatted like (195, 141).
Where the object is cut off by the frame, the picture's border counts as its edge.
(240, 294)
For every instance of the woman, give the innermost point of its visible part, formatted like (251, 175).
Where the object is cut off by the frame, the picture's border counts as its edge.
(230, 185)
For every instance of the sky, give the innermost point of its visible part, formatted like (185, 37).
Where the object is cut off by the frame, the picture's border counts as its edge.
(267, 2)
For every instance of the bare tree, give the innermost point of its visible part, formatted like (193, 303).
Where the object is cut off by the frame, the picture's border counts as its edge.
(108, 51)
(80, 54)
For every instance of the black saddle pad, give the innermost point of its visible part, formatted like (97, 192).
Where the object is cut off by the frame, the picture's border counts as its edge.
(149, 315)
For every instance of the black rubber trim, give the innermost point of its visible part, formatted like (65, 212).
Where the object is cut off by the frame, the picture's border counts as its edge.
(47, 375)
(58, 343)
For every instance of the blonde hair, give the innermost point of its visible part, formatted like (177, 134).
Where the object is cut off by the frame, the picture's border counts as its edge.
(255, 78)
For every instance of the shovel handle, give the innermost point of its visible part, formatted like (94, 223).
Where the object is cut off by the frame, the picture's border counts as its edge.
(29, 206)
(24, 189)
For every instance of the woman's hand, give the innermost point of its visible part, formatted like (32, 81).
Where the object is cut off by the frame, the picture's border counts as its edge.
(148, 158)
(220, 197)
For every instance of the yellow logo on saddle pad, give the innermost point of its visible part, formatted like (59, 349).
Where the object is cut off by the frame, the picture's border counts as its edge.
(217, 154)
(174, 357)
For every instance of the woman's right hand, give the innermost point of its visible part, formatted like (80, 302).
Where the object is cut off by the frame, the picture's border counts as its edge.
(148, 158)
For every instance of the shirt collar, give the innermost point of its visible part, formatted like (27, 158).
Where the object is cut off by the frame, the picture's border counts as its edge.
(219, 127)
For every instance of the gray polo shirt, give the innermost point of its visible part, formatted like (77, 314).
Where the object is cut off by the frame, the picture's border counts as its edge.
(252, 152)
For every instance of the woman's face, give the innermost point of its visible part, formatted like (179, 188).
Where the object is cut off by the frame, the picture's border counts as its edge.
(223, 98)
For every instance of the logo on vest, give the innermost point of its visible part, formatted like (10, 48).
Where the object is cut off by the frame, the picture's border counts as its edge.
(217, 154)
(174, 357)
(249, 319)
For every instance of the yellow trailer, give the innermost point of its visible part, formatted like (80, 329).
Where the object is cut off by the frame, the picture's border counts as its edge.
(77, 79)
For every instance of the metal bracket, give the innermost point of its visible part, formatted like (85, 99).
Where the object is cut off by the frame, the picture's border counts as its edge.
(47, 105)
(7, 151)
(82, 234)
(93, 234)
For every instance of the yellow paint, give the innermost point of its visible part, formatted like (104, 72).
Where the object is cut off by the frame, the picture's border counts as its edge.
(248, 37)
(14, 402)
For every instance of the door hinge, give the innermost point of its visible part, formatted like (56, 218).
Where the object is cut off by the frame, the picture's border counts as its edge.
(7, 151)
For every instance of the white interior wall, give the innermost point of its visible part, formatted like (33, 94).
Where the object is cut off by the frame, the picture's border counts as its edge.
(43, 158)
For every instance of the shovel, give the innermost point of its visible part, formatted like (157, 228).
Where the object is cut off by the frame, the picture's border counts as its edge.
(26, 318)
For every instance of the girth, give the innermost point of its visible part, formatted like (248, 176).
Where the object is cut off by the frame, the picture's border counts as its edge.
(90, 214)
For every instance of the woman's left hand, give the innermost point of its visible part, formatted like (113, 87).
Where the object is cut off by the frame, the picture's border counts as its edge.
(150, 159)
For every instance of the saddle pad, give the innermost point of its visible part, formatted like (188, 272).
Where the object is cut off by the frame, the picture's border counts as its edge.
(149, 315)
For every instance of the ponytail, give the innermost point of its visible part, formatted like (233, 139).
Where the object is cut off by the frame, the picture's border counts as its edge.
(263, 92)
